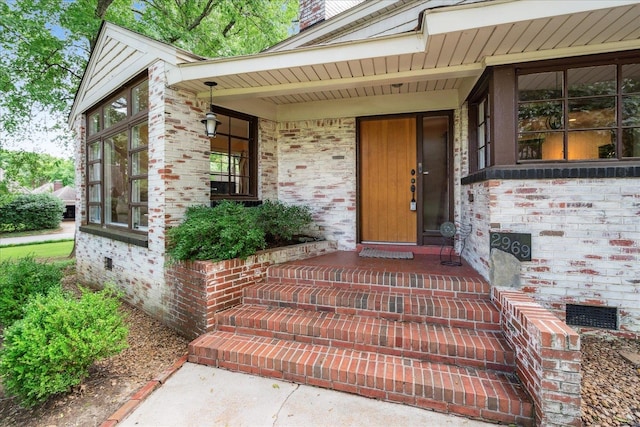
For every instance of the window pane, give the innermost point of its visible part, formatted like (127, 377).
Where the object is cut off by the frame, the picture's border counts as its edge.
(541, 146)
(631, 78)
(223, 127)
(94, 214)
(140, 218)
(240, 165)
(139, 191)
(239, 128)
(140, 97)
(94, 193)
(115, 111)
(592, 113)
(631, 110)
(631, 142)
(540, 116)
(94, 123)
(589, 145)
(140, 135)
(94, 172)
(115, 179)
(94, 151)
(140, 163)
(540, 86)
(590, 81)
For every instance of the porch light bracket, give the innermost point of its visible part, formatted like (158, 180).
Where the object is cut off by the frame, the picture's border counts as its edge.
(210, 120)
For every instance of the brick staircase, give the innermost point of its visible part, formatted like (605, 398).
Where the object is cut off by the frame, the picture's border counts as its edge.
(431, 341)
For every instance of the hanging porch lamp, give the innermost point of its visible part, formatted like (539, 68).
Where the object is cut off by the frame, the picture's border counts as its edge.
(210, 120)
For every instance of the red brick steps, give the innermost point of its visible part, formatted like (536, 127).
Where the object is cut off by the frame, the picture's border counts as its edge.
(383, 281)
(422, 341)
(431, 341)
(472, 313)
(447, 388)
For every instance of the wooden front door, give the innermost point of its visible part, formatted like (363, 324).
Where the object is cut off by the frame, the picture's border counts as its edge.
(387, 158)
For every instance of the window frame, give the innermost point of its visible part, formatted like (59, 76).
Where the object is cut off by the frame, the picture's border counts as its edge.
(99, 138)
(500, 82)
(565, 99)
(252, 140)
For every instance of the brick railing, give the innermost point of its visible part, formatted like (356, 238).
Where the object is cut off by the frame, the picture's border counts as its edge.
(197, 290)
(547, 357)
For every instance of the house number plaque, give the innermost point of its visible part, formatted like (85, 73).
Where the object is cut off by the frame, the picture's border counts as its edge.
(516, 244)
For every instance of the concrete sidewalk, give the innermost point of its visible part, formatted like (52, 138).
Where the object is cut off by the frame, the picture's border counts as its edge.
(199, 395)
(67, 231)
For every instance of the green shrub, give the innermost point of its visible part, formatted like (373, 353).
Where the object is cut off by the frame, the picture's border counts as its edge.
(20, 280)
(26, 212)
(226, 231)
(51, 348)
(281, 222)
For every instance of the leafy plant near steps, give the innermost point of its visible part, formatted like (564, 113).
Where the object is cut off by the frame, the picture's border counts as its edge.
(22, 279)
(52, 347)
(228, 230)
(281, 222)
(231, 230)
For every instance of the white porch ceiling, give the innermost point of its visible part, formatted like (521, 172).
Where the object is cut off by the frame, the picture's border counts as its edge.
(447, 53)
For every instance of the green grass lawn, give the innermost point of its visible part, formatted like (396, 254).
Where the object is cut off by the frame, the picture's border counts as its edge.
(48, 250)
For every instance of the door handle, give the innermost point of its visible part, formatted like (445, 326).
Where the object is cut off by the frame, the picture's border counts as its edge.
(425, 173)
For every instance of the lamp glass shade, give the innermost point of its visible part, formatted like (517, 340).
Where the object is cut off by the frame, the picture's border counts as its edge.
(211, 123)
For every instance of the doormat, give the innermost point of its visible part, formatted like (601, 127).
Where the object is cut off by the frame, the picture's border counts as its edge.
(377, 253)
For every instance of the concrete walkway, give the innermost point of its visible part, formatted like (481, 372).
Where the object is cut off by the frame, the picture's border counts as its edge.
(199, 395)
(67, 231)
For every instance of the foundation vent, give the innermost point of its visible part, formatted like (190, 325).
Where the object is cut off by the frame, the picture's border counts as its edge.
(592, 316)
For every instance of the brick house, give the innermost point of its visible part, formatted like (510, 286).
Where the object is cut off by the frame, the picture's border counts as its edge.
(518, 119)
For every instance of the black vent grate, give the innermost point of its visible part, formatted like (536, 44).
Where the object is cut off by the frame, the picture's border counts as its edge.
(588, 315)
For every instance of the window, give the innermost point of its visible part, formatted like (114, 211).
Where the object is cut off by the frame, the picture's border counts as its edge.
(233, 165)
(579, 113)
(480, 122)
(483, 134)
(118, 159)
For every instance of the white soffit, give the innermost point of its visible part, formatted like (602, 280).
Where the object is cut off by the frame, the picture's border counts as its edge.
(449, 52)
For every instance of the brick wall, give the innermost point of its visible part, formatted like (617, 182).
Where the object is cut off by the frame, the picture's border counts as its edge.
(178, 178)
(585, 239)
(547, 357)
(200, 289)
(317, 167)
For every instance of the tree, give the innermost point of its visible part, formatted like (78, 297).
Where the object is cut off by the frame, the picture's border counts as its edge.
(45, 44)
(31, 170)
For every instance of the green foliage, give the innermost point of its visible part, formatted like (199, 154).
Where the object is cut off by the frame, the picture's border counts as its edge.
(31, 212)
(46, 43)
(19, 281)
(31, 170)
(50, 350)
(228, 230)
(281, 222)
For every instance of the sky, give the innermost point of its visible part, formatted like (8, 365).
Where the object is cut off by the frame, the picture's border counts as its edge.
(41, 139)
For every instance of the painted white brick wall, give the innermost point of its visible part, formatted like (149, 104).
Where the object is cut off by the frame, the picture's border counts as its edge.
(585, 240)
(178, 178)
(317, 167)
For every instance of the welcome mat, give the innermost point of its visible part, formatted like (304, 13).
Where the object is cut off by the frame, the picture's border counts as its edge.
(377, 253)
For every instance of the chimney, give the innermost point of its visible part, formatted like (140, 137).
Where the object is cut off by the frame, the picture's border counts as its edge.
(57, 185)
(315, 11)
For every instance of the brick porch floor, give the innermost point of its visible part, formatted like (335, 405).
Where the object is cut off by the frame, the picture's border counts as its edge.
(409, 331)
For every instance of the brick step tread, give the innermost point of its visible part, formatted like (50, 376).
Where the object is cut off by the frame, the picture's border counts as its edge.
(457, 312)
(458, 346)
(470, 392)
(358, 278)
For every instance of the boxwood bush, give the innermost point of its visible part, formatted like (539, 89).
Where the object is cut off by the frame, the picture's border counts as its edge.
(231, 230)
(20, 280)
(282, 222)
(228, 230)
(51, 348)
(26, 212)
